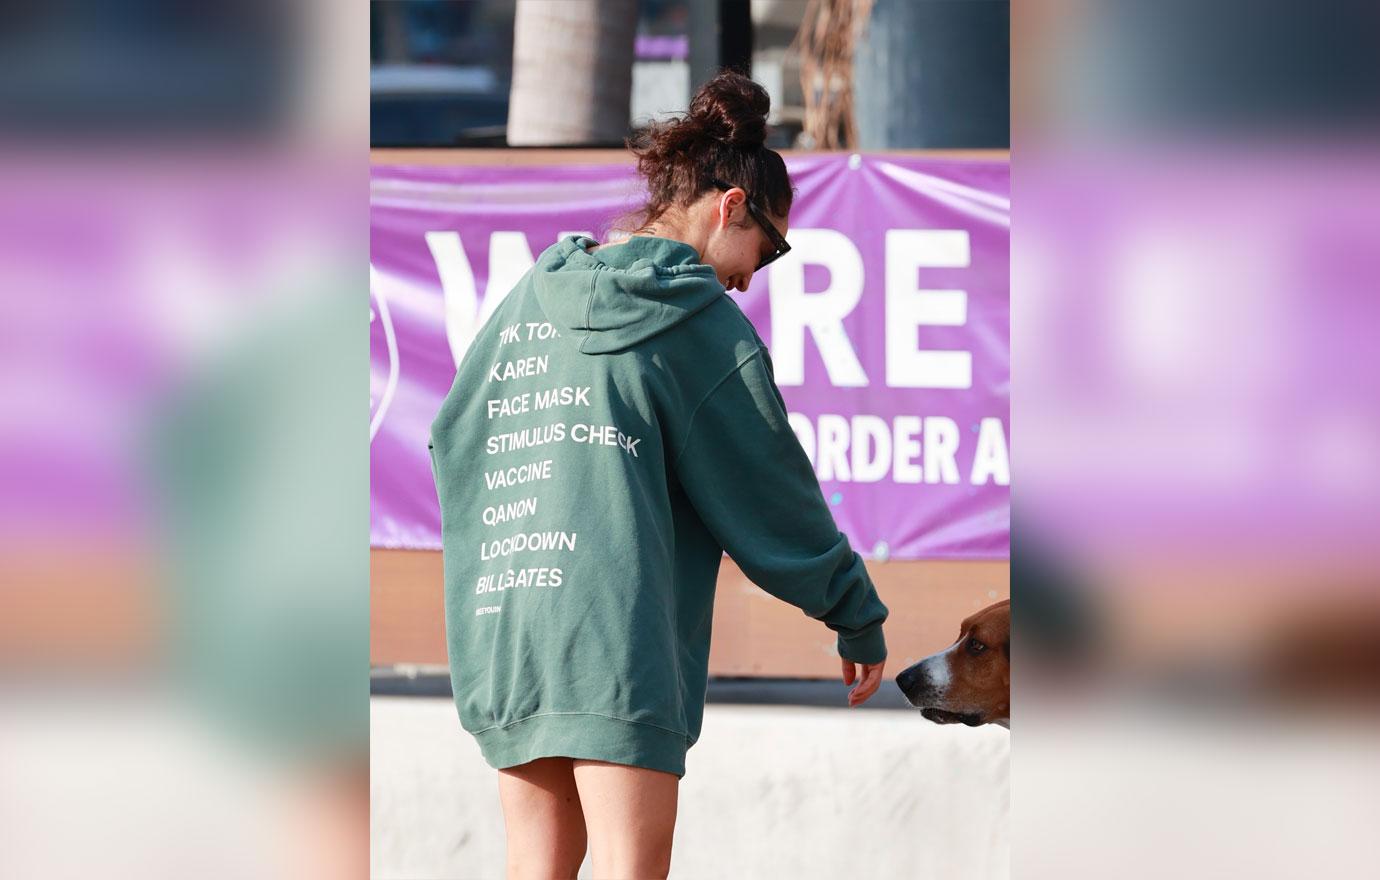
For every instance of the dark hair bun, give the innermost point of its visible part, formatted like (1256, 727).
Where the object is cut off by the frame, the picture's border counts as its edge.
(722, 135)
(732, 108)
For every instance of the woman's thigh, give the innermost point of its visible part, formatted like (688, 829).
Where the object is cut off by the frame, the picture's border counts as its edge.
(543, 817)
(630, 815)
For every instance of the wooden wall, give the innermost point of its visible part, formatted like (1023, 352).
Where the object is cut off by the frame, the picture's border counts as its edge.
(755, 634)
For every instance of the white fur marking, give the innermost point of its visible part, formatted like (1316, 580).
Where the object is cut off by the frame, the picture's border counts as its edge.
(937, 670)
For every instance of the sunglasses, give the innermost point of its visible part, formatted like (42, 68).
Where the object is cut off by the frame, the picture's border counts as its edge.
(777, 239)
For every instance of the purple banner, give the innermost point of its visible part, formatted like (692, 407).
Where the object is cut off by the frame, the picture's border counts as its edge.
(888, 324)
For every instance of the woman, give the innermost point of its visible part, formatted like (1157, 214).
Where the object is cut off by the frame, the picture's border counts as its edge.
(613, 429)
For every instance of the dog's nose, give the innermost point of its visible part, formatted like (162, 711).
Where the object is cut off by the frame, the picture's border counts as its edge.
(905, 680)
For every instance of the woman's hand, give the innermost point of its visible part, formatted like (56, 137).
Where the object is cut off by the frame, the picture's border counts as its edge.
(871, 680)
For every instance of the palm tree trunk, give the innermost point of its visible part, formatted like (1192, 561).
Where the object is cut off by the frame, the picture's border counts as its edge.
(572, 72)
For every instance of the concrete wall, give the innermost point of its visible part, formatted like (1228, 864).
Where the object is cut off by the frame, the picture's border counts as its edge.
(769, 792)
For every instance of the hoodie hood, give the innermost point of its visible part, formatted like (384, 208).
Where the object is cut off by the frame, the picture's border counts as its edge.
(623, 293)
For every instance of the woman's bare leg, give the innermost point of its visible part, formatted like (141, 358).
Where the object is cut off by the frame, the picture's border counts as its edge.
(544, 822)
(630, 814)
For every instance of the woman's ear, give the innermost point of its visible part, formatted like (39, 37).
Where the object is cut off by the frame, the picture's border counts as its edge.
(730, 202)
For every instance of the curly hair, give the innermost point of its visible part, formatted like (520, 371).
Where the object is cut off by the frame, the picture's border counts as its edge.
(723, 135)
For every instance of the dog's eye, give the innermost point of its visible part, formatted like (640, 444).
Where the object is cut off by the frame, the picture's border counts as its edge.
(976, 647)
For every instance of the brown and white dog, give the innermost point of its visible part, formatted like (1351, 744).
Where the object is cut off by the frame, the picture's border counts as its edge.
(970, 681)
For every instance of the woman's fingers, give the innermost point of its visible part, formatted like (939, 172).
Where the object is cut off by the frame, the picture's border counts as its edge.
(867, 685)
(871, 680)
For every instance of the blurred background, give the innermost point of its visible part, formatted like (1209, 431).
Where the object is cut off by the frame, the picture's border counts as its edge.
(497, 126)
(185, 540)
(1194, 313)
(183, 454)
(443, 73)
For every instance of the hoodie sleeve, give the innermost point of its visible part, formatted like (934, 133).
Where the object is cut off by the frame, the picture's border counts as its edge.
(747, 476)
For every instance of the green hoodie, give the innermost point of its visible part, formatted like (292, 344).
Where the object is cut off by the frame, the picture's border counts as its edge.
(613, 429)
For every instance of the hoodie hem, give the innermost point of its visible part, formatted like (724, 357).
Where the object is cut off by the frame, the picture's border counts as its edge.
(587, 736)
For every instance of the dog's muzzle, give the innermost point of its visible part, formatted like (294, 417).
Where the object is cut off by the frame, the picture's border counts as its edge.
(939, 716)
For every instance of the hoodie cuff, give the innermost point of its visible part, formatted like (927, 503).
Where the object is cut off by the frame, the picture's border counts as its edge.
(868, 647)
